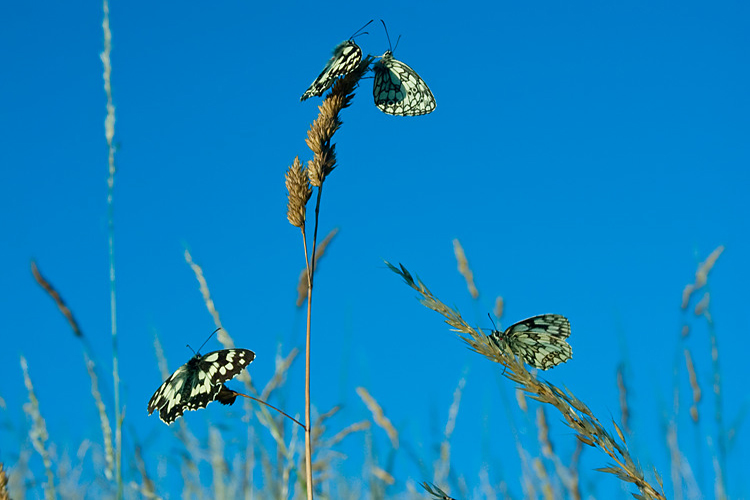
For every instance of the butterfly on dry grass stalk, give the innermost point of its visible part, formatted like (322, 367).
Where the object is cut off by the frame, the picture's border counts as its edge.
(539, 341)
(199, 381)
(399, 90)
(346, 57)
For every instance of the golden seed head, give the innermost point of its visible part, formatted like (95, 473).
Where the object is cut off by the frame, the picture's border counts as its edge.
(299, 193)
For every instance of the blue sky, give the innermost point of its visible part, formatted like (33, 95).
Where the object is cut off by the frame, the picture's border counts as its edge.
(587, 156)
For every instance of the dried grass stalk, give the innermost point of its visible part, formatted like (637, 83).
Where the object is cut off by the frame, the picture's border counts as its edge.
(543, 433)
(622, 389)
(701, 276)
(383, 475)
(693, 385)
(147, 488)
(379, 416)
(279, 375)
(38, 432)
(442, 467)
(109, 133)
(350, 429)
(521, 400)
(575, 413)
(574, 488)
(222, 335)
(544, 479)
(498, 309)
(109, 452)
(47, 286)
(701, 308)
(464, 269)
(302, 285)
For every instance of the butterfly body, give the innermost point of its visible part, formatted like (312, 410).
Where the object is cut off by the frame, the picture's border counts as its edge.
(539, 340)
(399, 90)
(198, 382)
(346, 57)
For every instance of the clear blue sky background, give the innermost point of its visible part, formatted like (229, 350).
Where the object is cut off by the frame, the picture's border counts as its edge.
(587, 155)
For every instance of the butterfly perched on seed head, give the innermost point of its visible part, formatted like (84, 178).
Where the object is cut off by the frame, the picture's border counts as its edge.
(346, 57)
(198, 382)
(539, 341)
(399, 90)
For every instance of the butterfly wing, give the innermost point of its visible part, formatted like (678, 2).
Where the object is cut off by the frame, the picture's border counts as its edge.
(346, 57)
(539, 340)
(168, 397)
(198, 382)
(399, 90)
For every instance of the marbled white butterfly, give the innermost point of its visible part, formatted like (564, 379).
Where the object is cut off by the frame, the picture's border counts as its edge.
(346, 57)
(198, 382)
(539, 341)
(399, 90)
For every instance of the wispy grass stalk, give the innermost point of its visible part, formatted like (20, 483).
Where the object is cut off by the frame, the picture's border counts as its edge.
(498, 309)
(693, 377)
(61, 305)
(574, 488)
(575, 413)
(222, 335)
(303, 284)
(109, 132)
(442, 466)
(109, 454)
(464, 269)
(622, 390)
(216, 459)
(702, 309)
(38, 432)
(298, 182)
(378, 415)
(564, 474)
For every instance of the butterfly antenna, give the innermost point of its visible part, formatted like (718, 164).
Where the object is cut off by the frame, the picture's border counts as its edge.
(387, 36)
(360, 32)
(209, 338)
(493, 321)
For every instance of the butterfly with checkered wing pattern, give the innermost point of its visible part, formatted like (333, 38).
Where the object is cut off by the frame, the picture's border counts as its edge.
(539, 341)
(399, 90)
(198, 382)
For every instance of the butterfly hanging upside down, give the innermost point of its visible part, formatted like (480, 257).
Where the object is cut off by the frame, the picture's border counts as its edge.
(399, 90)
(198, 382)
(539, 341)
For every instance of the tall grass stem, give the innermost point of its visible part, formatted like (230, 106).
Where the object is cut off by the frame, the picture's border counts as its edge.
(109, 132)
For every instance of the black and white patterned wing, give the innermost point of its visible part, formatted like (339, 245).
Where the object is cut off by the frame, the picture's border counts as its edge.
(399, 90)
(198, 382)
(346, 57)
(539, 340)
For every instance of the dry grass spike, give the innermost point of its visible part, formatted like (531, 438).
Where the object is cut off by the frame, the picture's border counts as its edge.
(379, 416)
(464, 269)
(575, 413)
(299, 192)
(47, 286)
